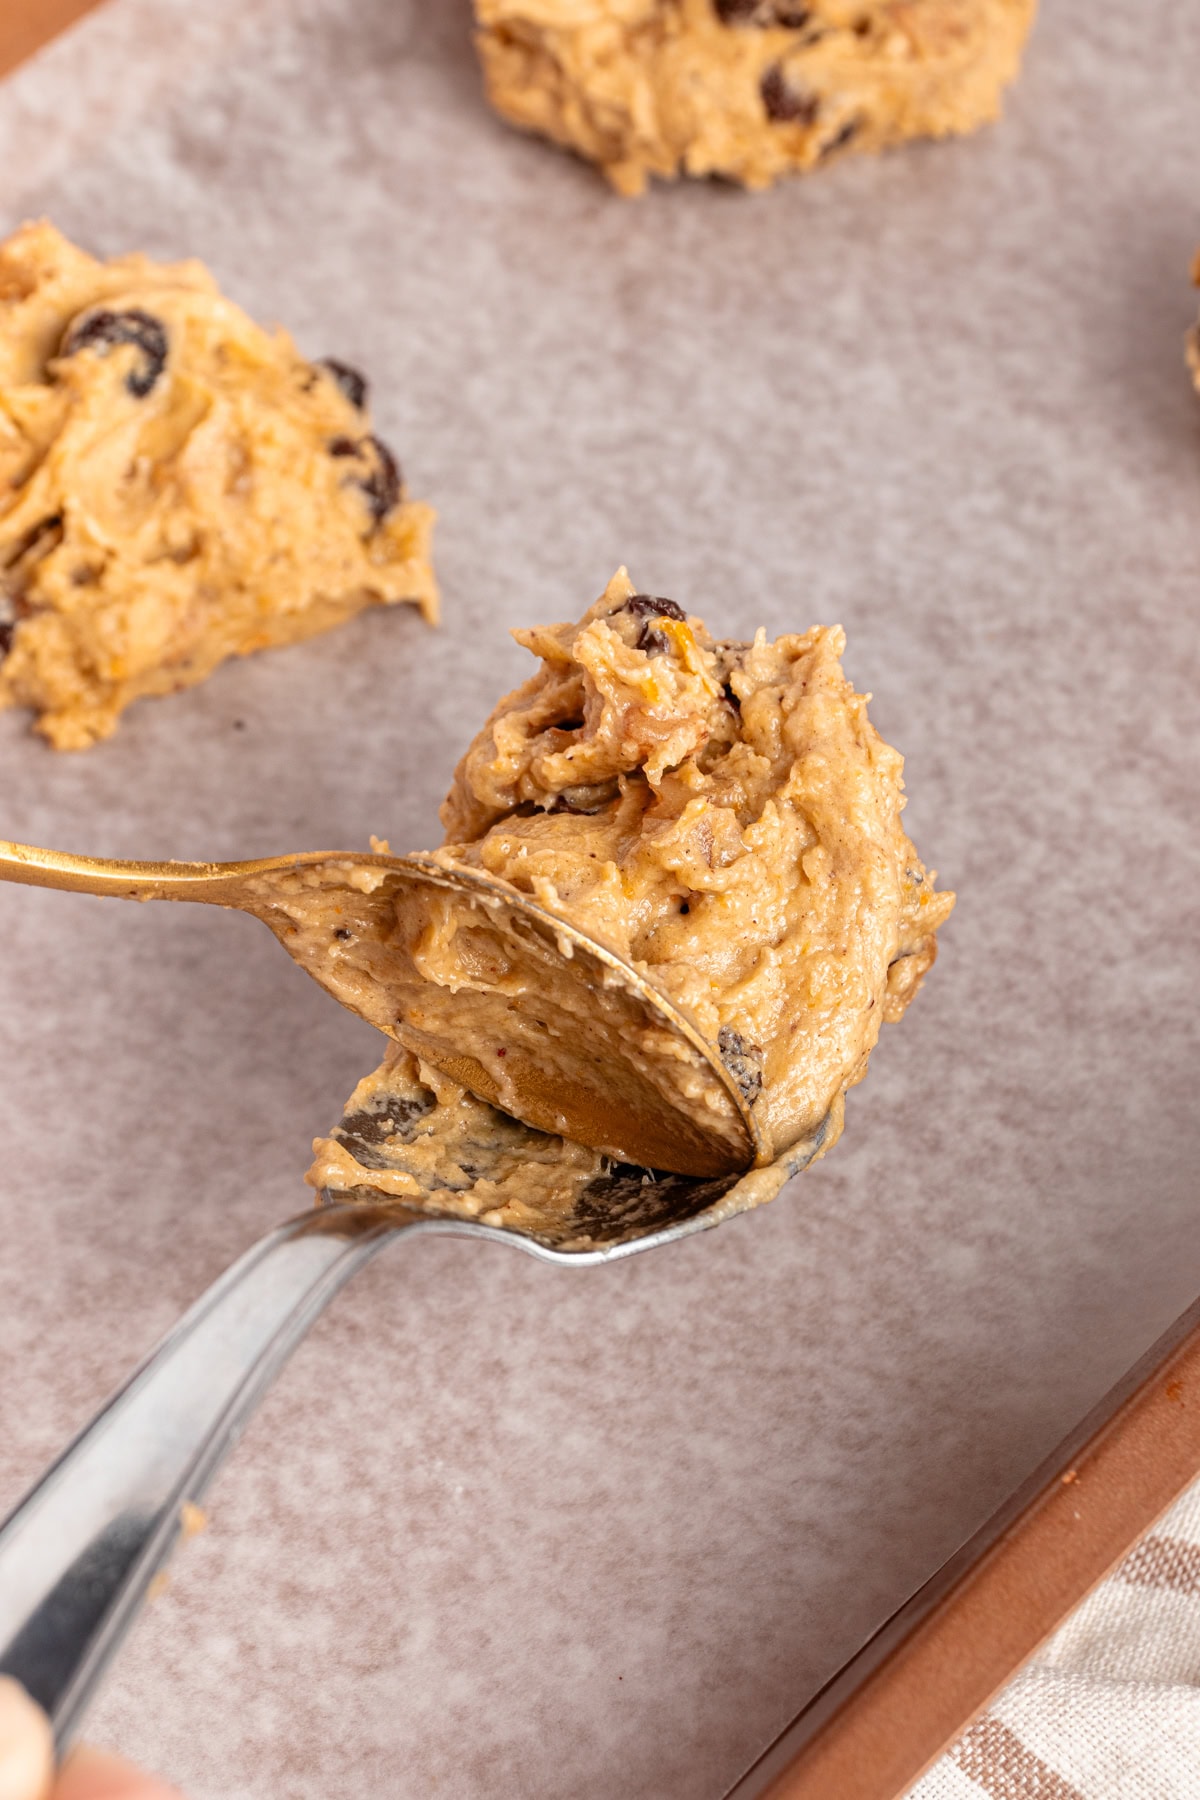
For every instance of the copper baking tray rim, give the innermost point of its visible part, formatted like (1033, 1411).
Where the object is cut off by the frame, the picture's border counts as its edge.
(892, 1710)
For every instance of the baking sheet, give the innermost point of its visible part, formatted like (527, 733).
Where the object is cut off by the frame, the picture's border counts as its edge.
(501, 1528)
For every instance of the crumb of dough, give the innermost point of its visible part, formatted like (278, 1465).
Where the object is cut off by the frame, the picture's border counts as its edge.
(192, 1519)
(177, 486)
(745, 89)
(725, 817)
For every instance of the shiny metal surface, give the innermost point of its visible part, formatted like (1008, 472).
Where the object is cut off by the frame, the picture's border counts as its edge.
(606, 1089)
(80, 1551)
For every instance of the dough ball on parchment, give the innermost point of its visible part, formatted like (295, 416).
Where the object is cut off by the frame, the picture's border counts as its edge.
(177, 486)
(724, 816)
(746, 89)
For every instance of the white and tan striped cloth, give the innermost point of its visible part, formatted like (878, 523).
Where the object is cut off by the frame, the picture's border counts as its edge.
(1109, 1709)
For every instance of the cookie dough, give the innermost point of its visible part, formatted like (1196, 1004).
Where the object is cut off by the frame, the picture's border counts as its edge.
(747, 89)
(177, 486)
(723, 817)
(412, 1134)
(674, 907)
(514, 1003)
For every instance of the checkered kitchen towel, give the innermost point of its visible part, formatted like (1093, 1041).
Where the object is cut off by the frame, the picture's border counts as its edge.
(1109, 1709)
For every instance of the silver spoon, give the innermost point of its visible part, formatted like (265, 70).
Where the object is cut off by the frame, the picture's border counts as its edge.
(81, 1549)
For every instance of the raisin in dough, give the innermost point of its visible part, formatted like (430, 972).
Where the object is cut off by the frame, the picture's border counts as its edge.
(723, 816)
(177, 486)
(747, 89)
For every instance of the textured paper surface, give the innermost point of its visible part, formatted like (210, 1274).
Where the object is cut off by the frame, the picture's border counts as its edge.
(503, 1529)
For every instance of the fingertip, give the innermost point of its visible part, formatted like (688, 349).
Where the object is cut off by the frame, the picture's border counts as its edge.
(90, 1774)
(26, 1745)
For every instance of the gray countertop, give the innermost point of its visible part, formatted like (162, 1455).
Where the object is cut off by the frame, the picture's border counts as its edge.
(503, 1529)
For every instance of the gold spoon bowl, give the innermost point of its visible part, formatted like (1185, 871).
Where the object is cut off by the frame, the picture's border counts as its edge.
(514, 1001)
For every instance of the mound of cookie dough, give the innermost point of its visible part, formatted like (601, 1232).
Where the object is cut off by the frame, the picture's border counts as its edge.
(177, 486)
(724, 817)
(746, 89)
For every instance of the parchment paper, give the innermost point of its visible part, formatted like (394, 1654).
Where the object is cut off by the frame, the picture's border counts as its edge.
(504, 1530)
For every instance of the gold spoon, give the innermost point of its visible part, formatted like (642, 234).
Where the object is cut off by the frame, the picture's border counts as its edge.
(516, 1003)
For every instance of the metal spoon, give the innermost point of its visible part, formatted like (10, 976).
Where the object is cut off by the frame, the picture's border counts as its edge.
(80, 1551)
(560, 1031)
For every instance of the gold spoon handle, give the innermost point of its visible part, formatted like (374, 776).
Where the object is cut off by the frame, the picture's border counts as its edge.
(104, 875)
(125, 881)
(217, 884)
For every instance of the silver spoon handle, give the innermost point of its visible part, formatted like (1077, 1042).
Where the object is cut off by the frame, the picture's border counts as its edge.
(80, 1551)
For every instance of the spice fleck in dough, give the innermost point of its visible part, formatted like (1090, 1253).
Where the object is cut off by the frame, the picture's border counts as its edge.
(747, 89)
(177, 486)
(722, 815)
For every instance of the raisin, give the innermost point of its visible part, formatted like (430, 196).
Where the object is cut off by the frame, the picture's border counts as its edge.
(787, 105)
(20, 563)
(731, 698)
(743, 1060)
(381, 482)
(340, 931)
(352, 384)
(650, 606)
(102, 330)
(36, 543)
(840, 138)
(382, 485)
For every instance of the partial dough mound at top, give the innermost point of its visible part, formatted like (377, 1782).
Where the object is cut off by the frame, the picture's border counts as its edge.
(747, 89)
(177, 486)
(724, 816)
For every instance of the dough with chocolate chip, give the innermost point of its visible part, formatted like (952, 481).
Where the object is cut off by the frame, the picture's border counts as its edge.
(746, 89)
(177, 486)
(723, 816)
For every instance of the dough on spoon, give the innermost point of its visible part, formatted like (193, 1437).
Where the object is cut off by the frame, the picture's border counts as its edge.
(177, 486)
(723, 816)
(747, 89)
(411, 1133)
